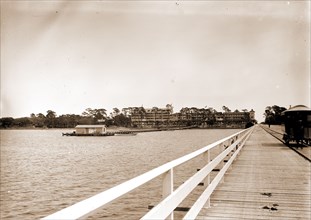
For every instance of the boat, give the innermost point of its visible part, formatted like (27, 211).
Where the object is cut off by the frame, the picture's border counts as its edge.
(90, 130)
(97, 130)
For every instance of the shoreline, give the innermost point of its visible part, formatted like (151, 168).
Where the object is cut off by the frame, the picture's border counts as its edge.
(120, 129)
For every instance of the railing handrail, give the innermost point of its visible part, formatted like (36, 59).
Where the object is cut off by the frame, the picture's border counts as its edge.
(163, 209)
(90, 205)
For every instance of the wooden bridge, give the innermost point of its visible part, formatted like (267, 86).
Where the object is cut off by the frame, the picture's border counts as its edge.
(257, 178)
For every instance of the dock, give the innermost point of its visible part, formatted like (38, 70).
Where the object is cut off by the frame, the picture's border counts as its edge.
(104, 132)
(268, 180)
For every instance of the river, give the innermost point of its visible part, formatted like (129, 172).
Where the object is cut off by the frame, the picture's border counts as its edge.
(43, 172)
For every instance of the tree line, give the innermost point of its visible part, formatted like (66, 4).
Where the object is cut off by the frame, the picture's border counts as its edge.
(51, 120)
(117, 117)
(273, 115)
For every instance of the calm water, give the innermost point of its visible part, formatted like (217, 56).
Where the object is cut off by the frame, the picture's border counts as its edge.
(43, 172)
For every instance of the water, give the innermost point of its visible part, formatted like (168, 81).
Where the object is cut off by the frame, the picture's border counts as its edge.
(43, 172)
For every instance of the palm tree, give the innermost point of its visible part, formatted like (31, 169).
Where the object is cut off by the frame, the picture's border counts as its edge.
(226, 109)
(50, 114)
(100, 114)
(170, 108)
(116, 112)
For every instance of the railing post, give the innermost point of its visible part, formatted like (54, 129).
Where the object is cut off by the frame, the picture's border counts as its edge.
(223, 163)
(225, 146)
(168, 187)
(207, 180)
(230, 142)
(237, 146)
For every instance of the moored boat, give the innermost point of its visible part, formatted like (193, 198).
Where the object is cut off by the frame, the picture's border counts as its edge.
(90, 130)
(97, 130)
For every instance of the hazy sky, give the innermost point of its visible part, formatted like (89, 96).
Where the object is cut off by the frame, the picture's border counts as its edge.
(67, 56)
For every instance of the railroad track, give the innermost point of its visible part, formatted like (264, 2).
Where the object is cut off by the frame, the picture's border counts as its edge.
(302, 149)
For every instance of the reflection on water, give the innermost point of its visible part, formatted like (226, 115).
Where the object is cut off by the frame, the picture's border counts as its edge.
(43, 172)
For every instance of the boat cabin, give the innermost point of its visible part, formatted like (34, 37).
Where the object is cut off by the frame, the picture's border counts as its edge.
(91, 129)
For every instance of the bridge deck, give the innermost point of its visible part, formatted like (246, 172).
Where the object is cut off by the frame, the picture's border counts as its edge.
(267, 181)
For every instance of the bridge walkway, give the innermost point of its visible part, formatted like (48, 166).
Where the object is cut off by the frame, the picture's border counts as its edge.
(268, 180)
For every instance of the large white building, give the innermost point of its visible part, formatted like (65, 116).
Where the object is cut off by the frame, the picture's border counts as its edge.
(163, 116)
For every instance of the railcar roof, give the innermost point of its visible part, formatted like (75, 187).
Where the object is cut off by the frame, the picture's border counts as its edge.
(297, 108)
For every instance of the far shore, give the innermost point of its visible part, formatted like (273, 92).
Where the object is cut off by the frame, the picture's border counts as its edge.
(109, 129)
(118, 129)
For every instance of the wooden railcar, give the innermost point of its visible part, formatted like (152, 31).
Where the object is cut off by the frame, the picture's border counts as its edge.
(297, 121)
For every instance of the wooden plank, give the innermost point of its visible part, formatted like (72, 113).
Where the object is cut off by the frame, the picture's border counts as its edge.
(197, 206)
(267, 181)
(165, 207)
(256, 204)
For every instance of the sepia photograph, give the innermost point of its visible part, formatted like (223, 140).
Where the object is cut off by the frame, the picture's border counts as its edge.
(142, 109)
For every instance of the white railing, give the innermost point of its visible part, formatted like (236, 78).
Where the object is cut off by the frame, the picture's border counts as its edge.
(171, 198)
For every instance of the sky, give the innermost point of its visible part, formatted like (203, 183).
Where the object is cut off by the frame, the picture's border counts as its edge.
(67, 56)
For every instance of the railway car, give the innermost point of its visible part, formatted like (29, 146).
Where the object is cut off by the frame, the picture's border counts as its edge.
(297, 121)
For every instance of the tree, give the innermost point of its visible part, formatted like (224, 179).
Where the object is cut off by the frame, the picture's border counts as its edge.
(121, 120)
(273, 115)
(38, 120)
(246, 117)
(86, 120)
(67, 121)
(211, 110)
(278, 114)
(50, 114)
(40, 115)
(211, 121)
(170, 108)
(6, 122)
(116, 111)
(127, 111)
(96, 114)
(50, 119)
(22, 122)
(226, 109)
(88, 112)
